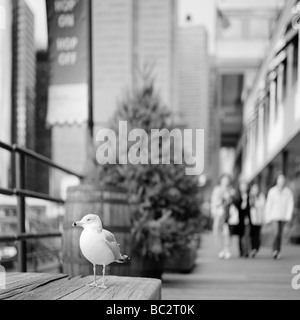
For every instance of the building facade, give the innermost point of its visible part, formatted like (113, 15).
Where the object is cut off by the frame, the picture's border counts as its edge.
(113, 66)
(24, 81)
(156, 33)
(194, 84)
(24, 77)
(5, 88)
(244, 29)
(17, 82)
(128, 36)
(43, 143)
(271, 134)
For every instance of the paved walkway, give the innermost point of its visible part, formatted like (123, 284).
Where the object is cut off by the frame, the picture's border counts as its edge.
(261, 278)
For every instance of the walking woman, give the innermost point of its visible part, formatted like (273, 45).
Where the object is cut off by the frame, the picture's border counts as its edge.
(242, 203)
(257, 208)
(279, 211)
(220, 202)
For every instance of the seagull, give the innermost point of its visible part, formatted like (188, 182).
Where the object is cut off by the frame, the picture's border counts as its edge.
(98, 246)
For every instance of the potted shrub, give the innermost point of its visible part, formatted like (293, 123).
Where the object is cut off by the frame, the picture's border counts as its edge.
(166, 198)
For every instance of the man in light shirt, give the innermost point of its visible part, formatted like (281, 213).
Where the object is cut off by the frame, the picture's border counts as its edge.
(279, 211)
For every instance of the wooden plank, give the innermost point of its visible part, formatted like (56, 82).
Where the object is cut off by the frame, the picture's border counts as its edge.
(119, 288)
(79, 291)
(28, 284)
(54, 290)
(12, 278)
(60, 287)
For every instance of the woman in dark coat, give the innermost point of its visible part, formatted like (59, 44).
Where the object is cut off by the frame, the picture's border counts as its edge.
(242, 203)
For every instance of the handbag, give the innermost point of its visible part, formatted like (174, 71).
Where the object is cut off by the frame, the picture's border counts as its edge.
(233, 216)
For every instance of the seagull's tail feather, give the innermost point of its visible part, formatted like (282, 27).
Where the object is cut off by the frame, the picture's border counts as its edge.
(124, 259)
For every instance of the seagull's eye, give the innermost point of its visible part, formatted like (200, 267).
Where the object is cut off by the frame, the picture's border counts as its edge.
(88, 219)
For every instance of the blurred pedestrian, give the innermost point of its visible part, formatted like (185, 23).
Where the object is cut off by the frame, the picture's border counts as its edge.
(242, 203)
(220, 202)
(257, 208)
(279, 211)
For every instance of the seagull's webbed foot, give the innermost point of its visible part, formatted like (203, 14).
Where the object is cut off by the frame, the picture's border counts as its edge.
(102, 287)
(93, 285)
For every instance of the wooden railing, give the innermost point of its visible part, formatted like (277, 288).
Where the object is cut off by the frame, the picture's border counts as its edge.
(20, 154)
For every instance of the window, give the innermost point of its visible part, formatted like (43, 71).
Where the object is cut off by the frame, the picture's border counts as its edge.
(266, 114)
(232, 89)
(276, 85)
(260, 125)
(295, 60)
(10, 213)
(284, 80)
(273, 101)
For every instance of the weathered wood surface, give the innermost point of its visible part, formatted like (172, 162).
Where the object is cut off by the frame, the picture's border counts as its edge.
(248, 279)
(32, 286)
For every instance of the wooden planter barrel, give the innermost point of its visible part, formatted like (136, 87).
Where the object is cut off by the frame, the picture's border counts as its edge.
(143, 267)
(184, 260)
(111, 204)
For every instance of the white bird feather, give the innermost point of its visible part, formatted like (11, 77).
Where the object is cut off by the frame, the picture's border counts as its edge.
(98, 246)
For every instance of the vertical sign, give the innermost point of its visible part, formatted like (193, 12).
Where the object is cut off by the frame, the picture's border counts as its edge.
(68, 26)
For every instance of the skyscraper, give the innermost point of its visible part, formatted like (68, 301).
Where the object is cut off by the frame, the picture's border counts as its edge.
(113, 46)
(24, 77)
(5, 87)
(156, 44)
(127, 36)
(17, 79)
(193, 81)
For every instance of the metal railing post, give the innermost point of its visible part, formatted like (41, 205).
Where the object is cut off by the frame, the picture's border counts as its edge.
(21, 210)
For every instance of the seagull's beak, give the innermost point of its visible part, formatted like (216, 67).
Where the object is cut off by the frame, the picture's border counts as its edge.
(77, 224)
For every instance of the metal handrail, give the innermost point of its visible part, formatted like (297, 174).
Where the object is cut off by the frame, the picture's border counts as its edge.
(38, 157)
(6, 147)
(42, 159)
(20, 154)
(7, 192)
(29, 236)
(36, 195)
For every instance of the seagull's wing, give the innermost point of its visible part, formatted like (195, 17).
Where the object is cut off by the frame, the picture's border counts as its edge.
(113, 245)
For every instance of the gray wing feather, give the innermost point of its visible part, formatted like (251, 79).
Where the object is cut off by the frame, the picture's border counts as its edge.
(113, 245)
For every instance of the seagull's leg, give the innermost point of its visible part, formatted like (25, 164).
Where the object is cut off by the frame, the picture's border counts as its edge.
(94, 284)
(95, 272)
(103, 279)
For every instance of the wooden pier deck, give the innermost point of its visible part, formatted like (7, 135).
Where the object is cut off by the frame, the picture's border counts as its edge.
(34, 286)
(250, 279)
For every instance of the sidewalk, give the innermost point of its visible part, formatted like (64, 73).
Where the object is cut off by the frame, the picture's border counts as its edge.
(262, 278)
